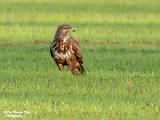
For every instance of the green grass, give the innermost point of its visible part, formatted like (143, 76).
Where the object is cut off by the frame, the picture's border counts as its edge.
(122, 20)
(120, 40)
(121, 82)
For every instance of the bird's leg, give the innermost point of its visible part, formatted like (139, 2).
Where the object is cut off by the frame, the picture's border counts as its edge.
(60, 66)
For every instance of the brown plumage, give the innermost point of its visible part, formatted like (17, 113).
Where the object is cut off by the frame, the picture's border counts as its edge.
(65, 50)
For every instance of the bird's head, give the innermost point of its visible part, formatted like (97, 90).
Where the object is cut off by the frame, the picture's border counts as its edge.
(65, 30)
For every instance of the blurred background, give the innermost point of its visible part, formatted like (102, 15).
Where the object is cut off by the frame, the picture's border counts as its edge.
(94, 20)
(120, 41)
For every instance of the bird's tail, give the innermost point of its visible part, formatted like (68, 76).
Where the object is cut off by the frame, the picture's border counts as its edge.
(81, 69)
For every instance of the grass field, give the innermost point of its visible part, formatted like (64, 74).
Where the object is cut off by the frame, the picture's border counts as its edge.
(120, 40)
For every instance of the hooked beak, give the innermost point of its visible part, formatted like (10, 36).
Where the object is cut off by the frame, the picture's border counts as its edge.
(73, 30)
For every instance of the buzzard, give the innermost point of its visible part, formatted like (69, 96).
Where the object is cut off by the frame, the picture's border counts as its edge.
(65, 50)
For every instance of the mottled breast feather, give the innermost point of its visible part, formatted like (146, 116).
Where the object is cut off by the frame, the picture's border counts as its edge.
(62, 50)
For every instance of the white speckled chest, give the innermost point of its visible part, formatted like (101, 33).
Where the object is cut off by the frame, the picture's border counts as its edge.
(62, 51)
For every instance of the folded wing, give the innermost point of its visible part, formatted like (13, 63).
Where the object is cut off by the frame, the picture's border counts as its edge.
(78, 54)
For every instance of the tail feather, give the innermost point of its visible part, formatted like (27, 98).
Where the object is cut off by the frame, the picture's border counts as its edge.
(81, 68)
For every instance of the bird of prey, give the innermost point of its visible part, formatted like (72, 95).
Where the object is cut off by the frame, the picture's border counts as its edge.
(65, 50)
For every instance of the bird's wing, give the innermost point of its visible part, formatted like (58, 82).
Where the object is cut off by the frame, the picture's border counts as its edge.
(77, 51)
(51, 51)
